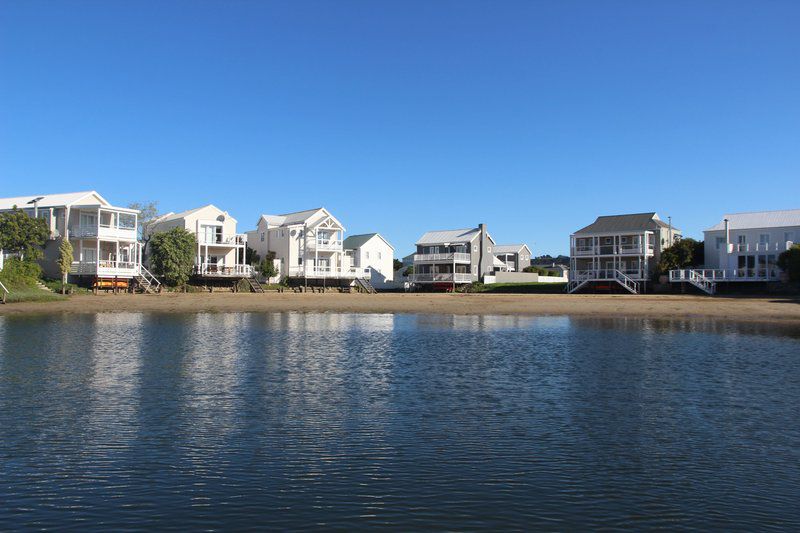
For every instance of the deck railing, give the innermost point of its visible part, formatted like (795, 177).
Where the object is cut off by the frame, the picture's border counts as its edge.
(443, 277)
(716, 275)
(761, 247)
(614, 249)
(325, 244)
(238, 239)
(222, 271)
(105, 268)
(329, 272)
(458, 257)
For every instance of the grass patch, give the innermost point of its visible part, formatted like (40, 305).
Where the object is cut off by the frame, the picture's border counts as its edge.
(523, 288)
(25, 293)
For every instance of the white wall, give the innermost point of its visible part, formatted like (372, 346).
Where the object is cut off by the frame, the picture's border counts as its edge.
(716, 257)
(526, 277)
(378, 256)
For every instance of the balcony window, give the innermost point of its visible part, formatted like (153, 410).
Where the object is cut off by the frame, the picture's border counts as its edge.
(763, 238)
(719, 242)
(608, 240)
(623, 240)
(88, 220)
(788, 236)
(742, 239)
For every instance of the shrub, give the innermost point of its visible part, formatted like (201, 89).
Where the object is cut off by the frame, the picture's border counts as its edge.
(789, 262)
(22, 234)
(172, 255)
(20, 272)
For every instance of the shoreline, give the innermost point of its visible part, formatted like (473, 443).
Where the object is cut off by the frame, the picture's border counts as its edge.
(777, 309)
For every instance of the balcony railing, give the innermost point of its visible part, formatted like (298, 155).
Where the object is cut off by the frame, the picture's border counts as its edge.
(613, 249)
(458, 257)
(325, 244)
(443, 277)
(768, 273)
(218, 270)
(328, 272)
(606, 274)
(238, 239)
(105, 268)
(776, 247)
(103, 231)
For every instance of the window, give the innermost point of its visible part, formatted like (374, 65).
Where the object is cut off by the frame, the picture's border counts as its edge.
(763, 238)
(379, 255)
(299, 260)
(608, 240)
(623, 240)
(88, 220)
(489, 249)
(742, 239)
(719, 242)
(283, 234)
(89, 255)
(366, 254)
(475, 269)
(788, 236)
(262, 236)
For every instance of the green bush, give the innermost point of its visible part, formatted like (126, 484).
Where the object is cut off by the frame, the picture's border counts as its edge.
(172, 255)
(789, 262)
(20, 272)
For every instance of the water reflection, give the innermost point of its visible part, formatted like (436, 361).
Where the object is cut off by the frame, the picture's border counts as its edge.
(409, 421)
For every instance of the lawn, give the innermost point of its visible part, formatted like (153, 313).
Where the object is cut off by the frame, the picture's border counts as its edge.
(25, 293)
(524, 288)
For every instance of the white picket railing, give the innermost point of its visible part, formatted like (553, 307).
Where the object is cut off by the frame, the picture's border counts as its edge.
(219, 270)
(716, 275)
(443, 277)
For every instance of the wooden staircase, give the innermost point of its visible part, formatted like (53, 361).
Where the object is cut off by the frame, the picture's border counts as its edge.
(364, 285)
(147, 281)
(255, 286)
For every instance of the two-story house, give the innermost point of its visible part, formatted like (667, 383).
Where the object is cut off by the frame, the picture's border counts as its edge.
(220, 249)
(514, 257)
(618, 250)
(373, 253)
(104, 237)
(447, 258)
(747, 245)
(308, 246)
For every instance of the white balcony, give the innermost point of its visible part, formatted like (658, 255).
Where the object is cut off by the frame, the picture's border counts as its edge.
(603, 274)
(332, 245)
(103, 231)
(611, 249)
(775, 247)
(328, 272)
(213, 270)
(105, 269)
(457, 257)
(234, 239)
(443, 277)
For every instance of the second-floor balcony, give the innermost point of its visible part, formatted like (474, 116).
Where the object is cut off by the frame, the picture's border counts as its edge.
(613, 249)
(325, 244)
(214, 270)
(447, 257)
(103, 231)
(219, 239)
(776, 247)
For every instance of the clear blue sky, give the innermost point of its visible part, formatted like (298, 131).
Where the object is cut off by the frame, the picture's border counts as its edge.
(533, 117)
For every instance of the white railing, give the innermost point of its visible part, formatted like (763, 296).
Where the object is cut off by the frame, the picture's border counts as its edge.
(325, 244)
(219, 270)
(5, 292)
(149, 278)
(443, 277)
(105, 268)
(716, 275)
(238, 239)
(458, 257)
(329, 272)
(103, 230)
(761, 247)
(612, 249)
(606, 274)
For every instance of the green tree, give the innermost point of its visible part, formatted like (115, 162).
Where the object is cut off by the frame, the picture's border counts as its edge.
(148, 212)
(789, 262)
(409, 271)
(22, 234)
(172, 255)
(251, 257)
(64, 262)
(397, 265)
(267, 267)
(683, 254)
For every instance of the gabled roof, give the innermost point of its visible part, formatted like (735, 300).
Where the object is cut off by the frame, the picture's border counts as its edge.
(759, 219)
(356, 241)
(510, 248)
(621, 223)
(297, 217)
(183, 214)
(54, 200)
(451, 236)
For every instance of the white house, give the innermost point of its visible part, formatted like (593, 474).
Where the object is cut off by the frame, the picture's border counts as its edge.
(372, 251)
(104, 237)
(220, 250)
(308, 246)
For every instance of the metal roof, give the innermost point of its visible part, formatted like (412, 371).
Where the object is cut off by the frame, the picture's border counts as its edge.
(759, 219)
(449, 236)
(52, 200)
(621, 223)
(183, 214)
(509, 248)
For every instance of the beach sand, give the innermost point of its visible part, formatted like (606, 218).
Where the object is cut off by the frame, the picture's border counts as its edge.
(780, 309)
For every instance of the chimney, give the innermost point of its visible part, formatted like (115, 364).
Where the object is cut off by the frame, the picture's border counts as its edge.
(482, 236)
(727, 235)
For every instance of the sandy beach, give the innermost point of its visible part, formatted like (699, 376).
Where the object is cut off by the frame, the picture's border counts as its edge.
(760, 309)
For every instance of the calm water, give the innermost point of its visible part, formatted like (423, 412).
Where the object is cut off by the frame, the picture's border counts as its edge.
(336, 421)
